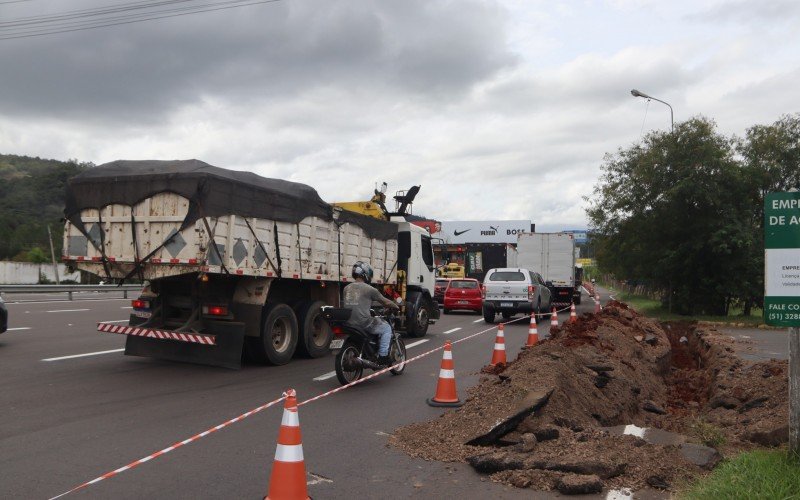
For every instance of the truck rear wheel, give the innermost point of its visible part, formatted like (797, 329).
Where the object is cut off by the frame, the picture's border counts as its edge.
(488, 315)
(315, 332)
(279, 334)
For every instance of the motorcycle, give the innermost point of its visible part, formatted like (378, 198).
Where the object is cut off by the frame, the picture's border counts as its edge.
(358, 349)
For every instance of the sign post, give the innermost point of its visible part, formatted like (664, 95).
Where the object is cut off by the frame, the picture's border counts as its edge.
(782, 289)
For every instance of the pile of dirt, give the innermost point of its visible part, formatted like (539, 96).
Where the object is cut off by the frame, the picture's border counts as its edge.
(560, 415)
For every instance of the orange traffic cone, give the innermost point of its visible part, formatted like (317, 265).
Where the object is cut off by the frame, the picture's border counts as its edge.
(572, 316)
(533, 333)
(499, 353)
(596, 306)
(288, 478)
(554, 318)
(446, 387)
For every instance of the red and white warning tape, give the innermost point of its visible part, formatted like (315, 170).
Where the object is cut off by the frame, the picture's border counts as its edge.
(274, 402)
(158, 334)
(170, 448)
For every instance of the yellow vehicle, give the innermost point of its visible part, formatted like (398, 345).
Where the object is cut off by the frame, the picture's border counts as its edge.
(452, 270)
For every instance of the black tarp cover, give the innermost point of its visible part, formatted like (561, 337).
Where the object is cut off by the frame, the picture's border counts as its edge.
(212, 191)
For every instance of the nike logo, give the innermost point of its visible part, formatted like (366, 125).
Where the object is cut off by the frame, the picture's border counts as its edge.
(459, 233)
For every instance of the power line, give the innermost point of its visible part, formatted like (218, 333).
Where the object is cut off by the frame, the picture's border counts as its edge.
(53, 25)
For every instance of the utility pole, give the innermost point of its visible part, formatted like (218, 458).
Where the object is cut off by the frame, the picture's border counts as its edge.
(53, 255)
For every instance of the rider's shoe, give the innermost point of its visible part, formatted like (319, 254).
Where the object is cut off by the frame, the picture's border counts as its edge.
(385, 360)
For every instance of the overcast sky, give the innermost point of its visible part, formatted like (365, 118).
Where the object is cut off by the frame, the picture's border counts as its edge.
(499, 109)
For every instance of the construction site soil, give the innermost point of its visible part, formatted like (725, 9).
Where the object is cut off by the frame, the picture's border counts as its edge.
(613, 400)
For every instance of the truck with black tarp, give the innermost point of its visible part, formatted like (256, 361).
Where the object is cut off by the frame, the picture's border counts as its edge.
(232, 261)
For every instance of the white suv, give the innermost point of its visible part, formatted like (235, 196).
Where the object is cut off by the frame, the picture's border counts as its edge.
(510, 290)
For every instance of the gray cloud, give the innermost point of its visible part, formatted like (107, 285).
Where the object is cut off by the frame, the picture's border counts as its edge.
(414, 49)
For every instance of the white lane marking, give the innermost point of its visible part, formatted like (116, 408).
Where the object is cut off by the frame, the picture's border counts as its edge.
(83, 355)
(452, 330)
(59, 301)
(115, 321)
(478, 320)
(611, 297)
(326, 376)
(19, 328)
(67, 310)
(585, 290)
(126, 307)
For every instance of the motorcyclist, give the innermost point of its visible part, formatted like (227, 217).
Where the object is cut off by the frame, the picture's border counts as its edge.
(359, 296)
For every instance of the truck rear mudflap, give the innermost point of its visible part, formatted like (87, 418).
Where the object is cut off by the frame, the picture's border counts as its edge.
(220, 343)
(562, 295)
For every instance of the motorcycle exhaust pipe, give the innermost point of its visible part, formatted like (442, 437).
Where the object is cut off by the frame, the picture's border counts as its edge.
(365, 363)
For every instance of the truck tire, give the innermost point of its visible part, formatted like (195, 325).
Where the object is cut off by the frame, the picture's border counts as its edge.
(578, 300)
(315, 332)
(488, 315)
(417, 319)
(279, 334)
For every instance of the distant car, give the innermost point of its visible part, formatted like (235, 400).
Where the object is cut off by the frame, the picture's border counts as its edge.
(438, 289)
(3, 316)
(463, 294)
(508, 291)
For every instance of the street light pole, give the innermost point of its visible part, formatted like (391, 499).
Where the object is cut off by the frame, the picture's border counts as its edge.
(636, 93)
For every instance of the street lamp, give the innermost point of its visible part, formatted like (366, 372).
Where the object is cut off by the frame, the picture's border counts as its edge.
(636, 93)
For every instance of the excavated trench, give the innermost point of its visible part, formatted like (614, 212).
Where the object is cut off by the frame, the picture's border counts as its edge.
(614, 400)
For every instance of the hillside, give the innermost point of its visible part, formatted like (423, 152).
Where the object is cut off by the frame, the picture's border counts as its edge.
(31, 197)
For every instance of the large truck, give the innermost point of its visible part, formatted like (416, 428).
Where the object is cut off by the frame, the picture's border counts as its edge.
(481, 257)
(232, 262)
(553, 256)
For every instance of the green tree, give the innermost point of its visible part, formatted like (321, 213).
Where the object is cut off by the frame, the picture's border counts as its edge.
(771, 155)
(672, 210)
(32, 194)
(37, 256)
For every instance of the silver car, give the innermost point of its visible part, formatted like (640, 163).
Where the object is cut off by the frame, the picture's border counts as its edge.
(508, 291)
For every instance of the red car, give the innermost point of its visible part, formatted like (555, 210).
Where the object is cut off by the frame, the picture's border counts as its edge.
(438, 290)
(463, 293)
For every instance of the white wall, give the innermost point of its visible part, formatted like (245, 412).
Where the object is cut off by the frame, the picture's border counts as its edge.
(26, 273)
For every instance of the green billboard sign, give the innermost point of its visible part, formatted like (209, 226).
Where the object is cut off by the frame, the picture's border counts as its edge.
(782, 259)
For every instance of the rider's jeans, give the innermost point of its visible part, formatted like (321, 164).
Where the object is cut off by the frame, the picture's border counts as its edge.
(384, 331)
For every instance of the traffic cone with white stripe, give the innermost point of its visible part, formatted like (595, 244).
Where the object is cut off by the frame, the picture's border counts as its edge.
(533, 333)
(499, 353)
(554, 318)
(446, 387)
(572, 316)
(596, 306)
(288, 478)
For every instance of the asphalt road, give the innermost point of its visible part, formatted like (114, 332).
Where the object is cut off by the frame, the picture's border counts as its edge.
(74, 407)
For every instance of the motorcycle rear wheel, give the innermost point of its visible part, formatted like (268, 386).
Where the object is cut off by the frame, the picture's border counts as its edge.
(347, 367)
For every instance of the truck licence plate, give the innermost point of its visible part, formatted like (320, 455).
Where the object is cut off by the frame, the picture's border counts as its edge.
(463, 302)
(337, 343)
(142, 314)
(506, 304)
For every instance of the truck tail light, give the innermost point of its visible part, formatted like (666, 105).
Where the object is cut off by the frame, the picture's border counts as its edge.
(140, 304)
(337, 330)
(483, 291)
(531, 292)
(215, 310)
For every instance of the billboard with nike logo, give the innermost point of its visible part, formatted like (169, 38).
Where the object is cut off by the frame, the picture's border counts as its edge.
(485, 231)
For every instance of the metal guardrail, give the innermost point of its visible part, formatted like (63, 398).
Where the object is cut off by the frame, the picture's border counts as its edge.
(69, 289)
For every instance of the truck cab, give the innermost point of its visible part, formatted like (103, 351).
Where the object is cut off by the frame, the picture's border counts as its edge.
(415, 261)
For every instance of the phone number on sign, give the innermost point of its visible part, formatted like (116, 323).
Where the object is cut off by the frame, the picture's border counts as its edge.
(783, 316)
